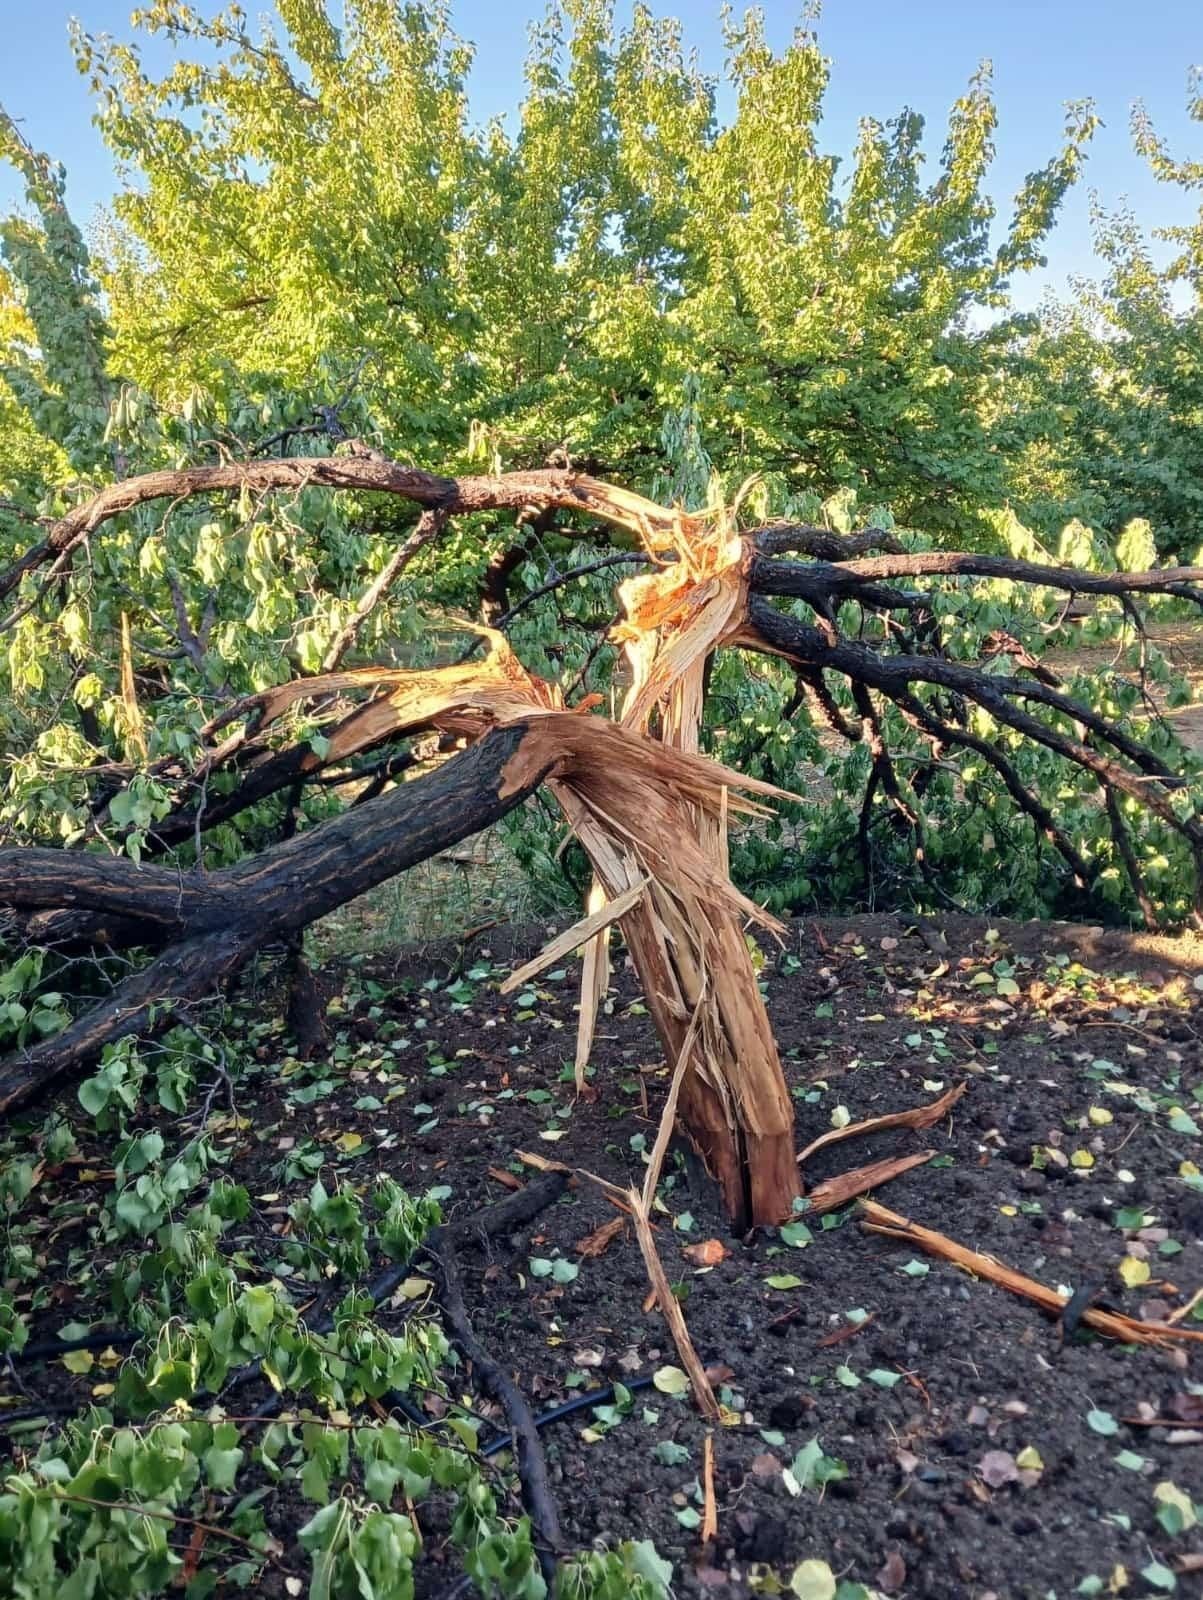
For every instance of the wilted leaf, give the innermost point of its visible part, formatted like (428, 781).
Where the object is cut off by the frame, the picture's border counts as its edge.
(599, 1241)
(1134, 1272)
(1177, 1513)
(893, 1573)
(707, 1253)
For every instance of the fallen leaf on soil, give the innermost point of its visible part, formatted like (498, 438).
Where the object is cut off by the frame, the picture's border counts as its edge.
(706, 1254)
(1186, 1407)
(765, 1465)
(670, 1380)
(506, 1179)
(719, 1372)
(998, 1467)
(1169, 1494)
(893, 1573)
(917, 1117)
(1134, 1272)
(600, 1240)
(813, 1580)
(1113, 1323)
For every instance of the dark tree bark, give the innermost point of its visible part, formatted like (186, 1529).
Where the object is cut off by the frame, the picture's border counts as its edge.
(217, 921)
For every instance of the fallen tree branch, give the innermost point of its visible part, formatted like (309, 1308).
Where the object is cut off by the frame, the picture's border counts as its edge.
(918, 1117)
(877, 1219)
(222, 918)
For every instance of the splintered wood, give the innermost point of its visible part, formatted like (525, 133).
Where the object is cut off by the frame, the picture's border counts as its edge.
(1113, 1323)
(651, 815)
(690, 949)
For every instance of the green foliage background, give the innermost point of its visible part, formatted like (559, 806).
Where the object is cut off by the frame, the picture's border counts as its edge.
(310, 219)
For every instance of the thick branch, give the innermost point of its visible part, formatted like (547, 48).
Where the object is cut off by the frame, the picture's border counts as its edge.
(932, 563)
(224, 917)
(512, 491)
(779, 538)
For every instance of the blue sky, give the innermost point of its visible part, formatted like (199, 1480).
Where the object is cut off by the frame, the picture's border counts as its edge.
(886, 53)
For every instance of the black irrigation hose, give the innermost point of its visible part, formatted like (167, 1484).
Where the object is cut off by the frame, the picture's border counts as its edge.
(49, 1349)
(50, 1408)
(569, 1408)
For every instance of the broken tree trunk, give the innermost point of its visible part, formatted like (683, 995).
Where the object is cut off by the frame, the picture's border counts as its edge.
(650, 814)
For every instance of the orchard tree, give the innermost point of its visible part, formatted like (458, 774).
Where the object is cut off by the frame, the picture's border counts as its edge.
(1114, 383)
(255, 660)
(315, 199)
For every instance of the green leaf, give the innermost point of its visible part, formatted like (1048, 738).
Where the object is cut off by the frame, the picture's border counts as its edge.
(670, 1454)
(1102, 1422)
(884, 1378)
(670, 1380)
(812, 1580)
(796, 1234)
(1159, 1576)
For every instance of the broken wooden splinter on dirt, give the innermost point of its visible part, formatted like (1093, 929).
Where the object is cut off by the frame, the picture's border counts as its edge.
(1113, 1323)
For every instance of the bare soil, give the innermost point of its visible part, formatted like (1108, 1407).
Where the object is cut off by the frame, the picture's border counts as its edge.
(1072, 1151)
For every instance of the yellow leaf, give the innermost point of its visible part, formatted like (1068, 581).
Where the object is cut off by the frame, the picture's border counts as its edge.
(1081, 1158)
(102, 1390)
(110, 1358)
(552, 1134)
(79, 1361)
(1169, 1494)
(1100, 1116)
(414, 1288)
(348, 1143)
(1134, 1272)
(1009, 1211)
(1187, 1169)
(1029, 1459)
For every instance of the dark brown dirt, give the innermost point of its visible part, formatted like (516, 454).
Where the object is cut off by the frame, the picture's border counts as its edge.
(1078, 1046)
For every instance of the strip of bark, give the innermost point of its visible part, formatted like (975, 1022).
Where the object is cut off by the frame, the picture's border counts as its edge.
(917, 1117)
